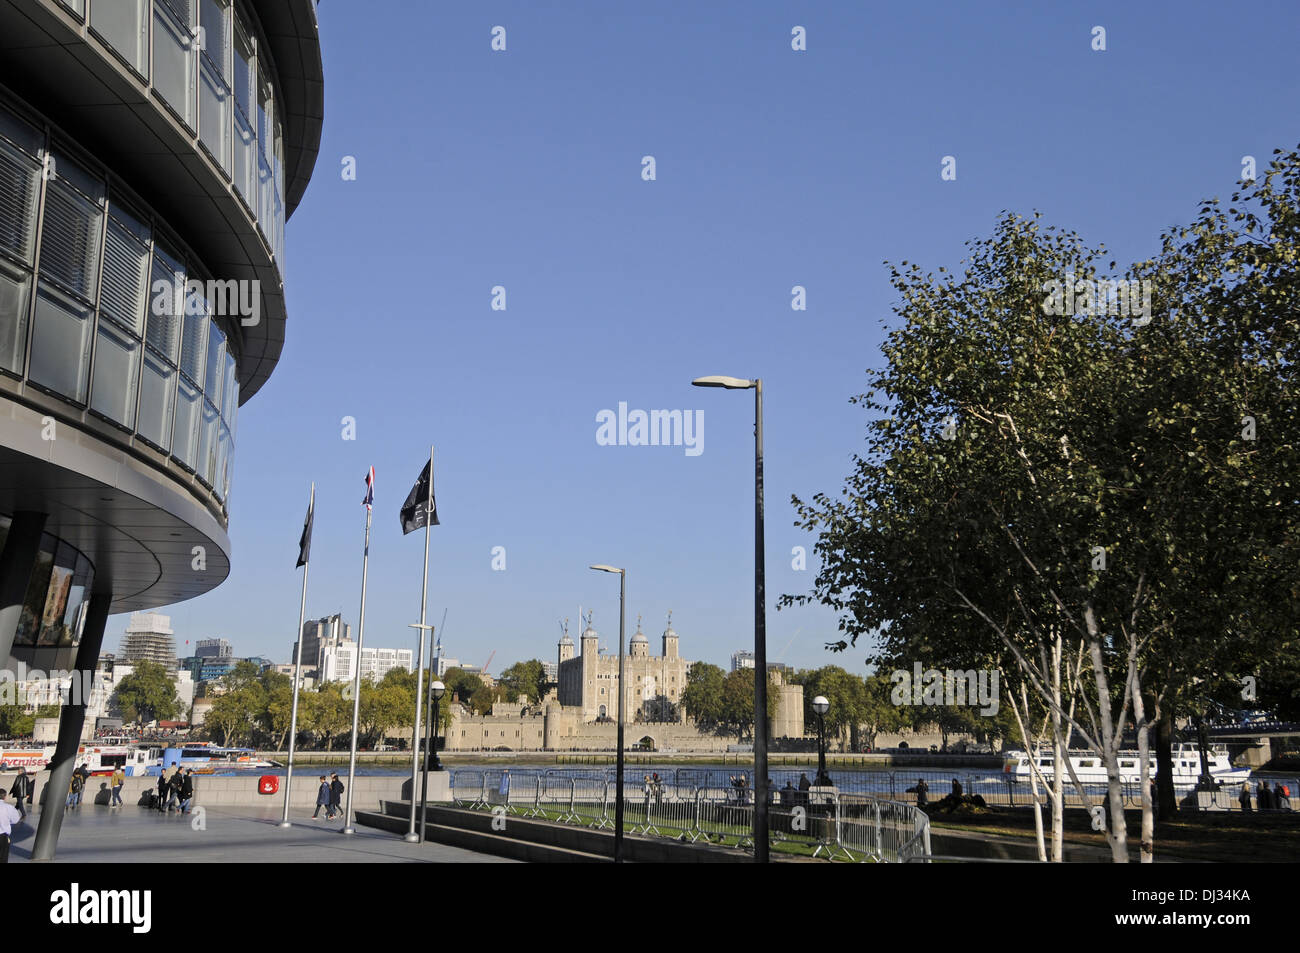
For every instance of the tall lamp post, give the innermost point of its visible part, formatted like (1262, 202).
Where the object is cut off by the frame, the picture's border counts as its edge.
(436, 690)
(431, 757)
(821, 706)
(761, 792)
(622, 692)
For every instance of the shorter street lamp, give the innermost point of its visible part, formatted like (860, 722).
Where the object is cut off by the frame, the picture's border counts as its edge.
(439, 689)
(821, 706)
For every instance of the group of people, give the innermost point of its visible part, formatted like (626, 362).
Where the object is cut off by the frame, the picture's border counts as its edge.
(1268, 799)
(653, 788)
(175, 789)
(330, 797)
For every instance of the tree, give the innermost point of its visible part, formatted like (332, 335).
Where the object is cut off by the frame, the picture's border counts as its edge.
(1068, 495)
(523, 678)
(846, 695)
(147, 694)
(461, 684)
(329, 714)
(702, 696)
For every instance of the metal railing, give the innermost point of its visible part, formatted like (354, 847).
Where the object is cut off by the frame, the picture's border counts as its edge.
(704, 807)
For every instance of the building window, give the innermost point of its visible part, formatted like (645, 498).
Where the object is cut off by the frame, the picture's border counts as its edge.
(245, 165)
(214, 79)
(173, 56)
(124, 25)
(21, 160)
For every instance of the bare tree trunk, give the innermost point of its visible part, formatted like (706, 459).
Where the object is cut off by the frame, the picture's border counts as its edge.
(1116, 834)
(1144, 768)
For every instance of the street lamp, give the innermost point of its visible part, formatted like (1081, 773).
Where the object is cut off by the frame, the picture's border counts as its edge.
(439, 689)
(622, 691)
(411, 836)
(761, 792)
(821, 706)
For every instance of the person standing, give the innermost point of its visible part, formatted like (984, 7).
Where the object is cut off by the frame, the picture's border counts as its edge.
(118, 779)
(336, 797)
(162, 791)
(83, 773)
(1265, 797)
(9, 816)
(1244, 797)
(322, 798)
(922, 793)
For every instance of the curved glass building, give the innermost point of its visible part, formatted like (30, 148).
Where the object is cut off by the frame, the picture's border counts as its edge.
(150, 153)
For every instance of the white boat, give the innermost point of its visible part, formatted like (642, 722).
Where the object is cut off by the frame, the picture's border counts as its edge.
(1090, 768)
(100, 759)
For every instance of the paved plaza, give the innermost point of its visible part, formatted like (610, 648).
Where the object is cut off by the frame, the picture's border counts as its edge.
(97, 835)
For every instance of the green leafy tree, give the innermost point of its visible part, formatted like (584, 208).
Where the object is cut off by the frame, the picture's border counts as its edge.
(147, 694)
(702, 697)
(523, 678)
(461, 684)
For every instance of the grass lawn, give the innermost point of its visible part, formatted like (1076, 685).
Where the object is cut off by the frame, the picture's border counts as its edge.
(1227, 836)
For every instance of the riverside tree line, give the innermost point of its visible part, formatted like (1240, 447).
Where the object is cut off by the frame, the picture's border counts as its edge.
(1102, 509)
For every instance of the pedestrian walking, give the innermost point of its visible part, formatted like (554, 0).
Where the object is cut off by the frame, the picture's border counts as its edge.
(9, 816)
(322, 799)
(162, 792)
(1265, 797)
(75, 787)
(118, 779)
(336, 796)
(22, 790)
(1244, 797)
(174, 787)
(186, 789)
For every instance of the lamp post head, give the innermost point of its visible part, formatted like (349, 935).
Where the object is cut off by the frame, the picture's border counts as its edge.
(601, 567)
(718, 380)
(439, 689)
(821, 705)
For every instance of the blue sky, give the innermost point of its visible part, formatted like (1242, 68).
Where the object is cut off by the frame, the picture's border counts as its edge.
(774, 168)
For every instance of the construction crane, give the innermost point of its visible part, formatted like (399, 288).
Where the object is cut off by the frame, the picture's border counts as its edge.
(484, 669)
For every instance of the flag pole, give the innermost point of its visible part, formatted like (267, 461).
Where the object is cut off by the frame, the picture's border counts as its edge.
(356, 683)
(297, 675)
(411, 836)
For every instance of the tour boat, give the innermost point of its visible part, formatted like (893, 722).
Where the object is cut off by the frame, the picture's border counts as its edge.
(1090, 768)
(206, 758)
(100, 759)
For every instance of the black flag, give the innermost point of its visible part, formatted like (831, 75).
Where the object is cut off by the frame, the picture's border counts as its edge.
(304, 541)
(419, 502)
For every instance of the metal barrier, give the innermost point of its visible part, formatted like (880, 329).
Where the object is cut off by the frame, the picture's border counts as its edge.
(695, 806)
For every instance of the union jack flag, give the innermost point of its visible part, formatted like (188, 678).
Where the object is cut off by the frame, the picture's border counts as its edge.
(370, 488)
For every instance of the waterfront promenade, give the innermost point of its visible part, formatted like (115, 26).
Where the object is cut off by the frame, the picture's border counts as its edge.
(136, 835)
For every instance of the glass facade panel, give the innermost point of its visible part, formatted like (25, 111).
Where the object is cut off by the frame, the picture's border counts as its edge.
(124, 25)
(29, 621)
(163, 327)
(122, 294)
(157, 393)
(185, 436)
(214, 117)
(20, 187)
(117, 368)
(193, 347)
(208, 445)
(173, 61)
(222, 484)
(214, 18)
(71, 235)
(215, 373)
(61, 343)
(15, 288)
(229, 391)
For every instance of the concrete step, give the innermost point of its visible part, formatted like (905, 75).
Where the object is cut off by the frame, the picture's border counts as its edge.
(496, 844)
(573, 839)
